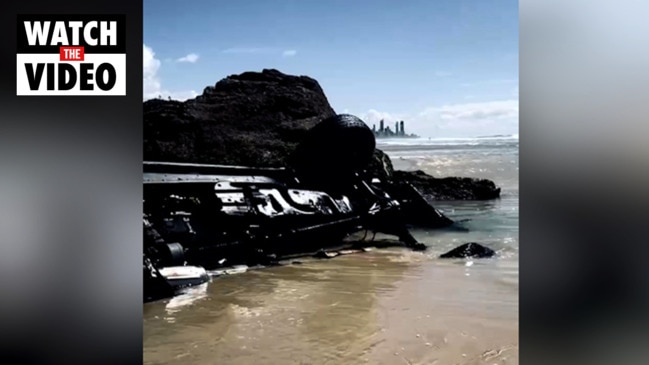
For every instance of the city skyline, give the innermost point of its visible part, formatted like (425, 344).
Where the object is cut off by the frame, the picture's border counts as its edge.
(385, 130)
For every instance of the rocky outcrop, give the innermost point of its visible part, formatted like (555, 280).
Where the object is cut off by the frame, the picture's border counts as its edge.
(447, 188)
(253, 119)
(469, 250)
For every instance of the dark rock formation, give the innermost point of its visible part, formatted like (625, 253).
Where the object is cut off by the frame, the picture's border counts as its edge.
(254, 119)
(448, 188)
(469, 250)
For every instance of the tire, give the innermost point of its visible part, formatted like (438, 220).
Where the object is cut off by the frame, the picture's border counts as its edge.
(334, 150)
(173, 254)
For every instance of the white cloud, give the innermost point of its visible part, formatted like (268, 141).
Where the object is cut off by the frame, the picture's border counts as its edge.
(151, 66)
(454, 120)
(152, 85)
(289, 53)
(190, 58)
(182, 95)
(475, 111)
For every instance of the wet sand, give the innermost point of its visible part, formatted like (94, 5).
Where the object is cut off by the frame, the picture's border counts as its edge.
(387, 306)
(381, 307)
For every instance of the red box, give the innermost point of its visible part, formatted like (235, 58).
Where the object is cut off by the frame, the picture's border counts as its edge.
(71, 54)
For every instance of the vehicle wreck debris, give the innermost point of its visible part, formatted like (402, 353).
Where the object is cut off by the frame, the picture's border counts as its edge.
(210, 217)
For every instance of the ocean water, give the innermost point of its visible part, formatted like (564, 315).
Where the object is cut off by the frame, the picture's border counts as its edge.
(387, 306)
(492, 222)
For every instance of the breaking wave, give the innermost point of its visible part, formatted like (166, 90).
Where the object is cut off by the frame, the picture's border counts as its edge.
(447, 141)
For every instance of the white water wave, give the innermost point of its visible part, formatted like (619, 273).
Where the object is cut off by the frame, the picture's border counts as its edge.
(471, 141)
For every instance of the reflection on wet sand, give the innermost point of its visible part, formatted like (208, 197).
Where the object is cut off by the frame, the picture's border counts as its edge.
(381, 307)
(456, 312)
(315, 313)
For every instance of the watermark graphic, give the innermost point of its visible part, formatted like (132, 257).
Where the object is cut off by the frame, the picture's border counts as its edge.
(74, 55)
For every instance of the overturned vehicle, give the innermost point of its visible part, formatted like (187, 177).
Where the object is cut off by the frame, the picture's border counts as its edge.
(199, 217)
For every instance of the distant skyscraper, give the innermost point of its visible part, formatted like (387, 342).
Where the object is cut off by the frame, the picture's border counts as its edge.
(403, 131)
(396, 128)
(381, 126)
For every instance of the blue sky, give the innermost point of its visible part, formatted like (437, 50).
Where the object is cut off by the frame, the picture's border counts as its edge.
(448, 68)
